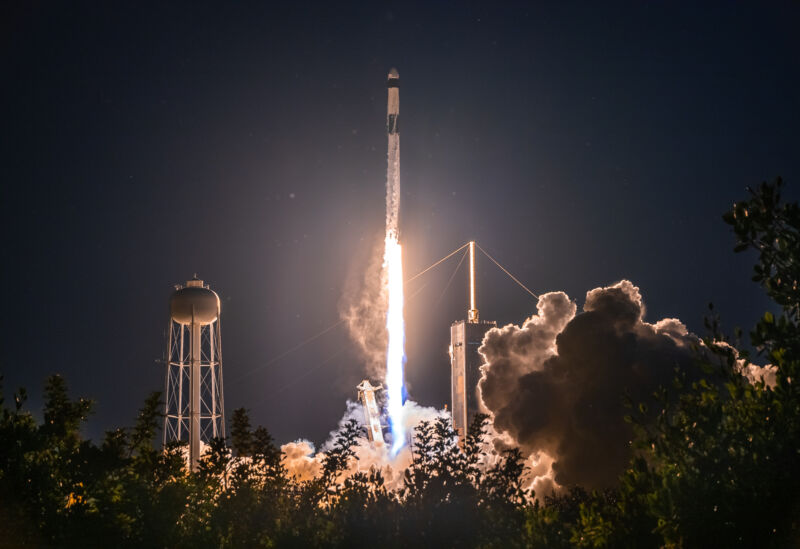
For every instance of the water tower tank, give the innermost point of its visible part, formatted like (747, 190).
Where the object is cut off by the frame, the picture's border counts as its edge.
(194, 302)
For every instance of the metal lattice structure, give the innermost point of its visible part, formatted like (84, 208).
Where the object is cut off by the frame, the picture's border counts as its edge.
(194, 409)
(372, 417)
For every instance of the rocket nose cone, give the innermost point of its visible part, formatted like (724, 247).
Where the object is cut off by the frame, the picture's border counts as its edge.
(393, 73)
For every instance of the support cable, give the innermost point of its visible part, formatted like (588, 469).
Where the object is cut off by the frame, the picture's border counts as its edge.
(445, 258)
(452, 276)
(289, 351)
(305, 374)
(514, 278)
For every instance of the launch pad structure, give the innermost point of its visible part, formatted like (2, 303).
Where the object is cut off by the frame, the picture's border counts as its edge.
(372, 416)
(466, 337)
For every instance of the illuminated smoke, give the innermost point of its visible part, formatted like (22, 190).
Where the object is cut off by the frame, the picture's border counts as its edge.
(755, 373)
(300, 460)
(304, 463)
(556, 384)
(363, 308)
(539, 475)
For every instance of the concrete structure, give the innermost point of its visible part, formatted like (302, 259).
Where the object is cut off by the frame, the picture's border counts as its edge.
(372, 416)
(465, 361)
(194, 408)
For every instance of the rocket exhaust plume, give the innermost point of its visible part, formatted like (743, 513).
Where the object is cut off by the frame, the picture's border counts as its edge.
(393, 272)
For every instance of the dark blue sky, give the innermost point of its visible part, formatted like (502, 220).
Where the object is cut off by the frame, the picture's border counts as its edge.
(578, 143)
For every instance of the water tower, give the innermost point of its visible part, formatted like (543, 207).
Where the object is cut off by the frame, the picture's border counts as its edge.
(194, 409)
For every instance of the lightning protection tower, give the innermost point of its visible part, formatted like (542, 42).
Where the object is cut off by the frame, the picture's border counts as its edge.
(465, 360)
(195, 409)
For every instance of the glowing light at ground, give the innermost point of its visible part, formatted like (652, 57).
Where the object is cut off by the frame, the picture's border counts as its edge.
(395, 352)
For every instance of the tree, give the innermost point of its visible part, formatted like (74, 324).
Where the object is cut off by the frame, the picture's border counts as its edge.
(241, 434)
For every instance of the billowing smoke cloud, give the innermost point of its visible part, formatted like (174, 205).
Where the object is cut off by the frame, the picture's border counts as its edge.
(752, 372)
(556, 385)
(301, 460)
(538, 475)
(755, 373)
(304, 463)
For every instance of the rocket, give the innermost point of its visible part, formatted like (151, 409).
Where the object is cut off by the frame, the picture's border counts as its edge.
(393, 106)
(393, 271)
(393, 155)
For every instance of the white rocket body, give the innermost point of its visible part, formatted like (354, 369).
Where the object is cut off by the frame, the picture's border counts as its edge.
(393, 273)
(393, 167)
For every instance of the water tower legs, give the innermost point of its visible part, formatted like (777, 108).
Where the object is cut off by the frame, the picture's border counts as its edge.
(194, 406)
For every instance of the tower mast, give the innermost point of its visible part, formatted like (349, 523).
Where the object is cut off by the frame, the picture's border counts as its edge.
(472, 314)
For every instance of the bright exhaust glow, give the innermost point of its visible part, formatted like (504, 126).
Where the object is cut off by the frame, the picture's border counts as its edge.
(395, 352)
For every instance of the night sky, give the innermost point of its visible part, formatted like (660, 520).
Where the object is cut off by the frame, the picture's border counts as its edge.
(578, 144)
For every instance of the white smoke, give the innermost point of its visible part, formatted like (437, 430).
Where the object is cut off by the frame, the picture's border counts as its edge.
(363, 308)
(755, 374)
(303, 463)
(752, 372)
(539, 475)
(300, 460)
